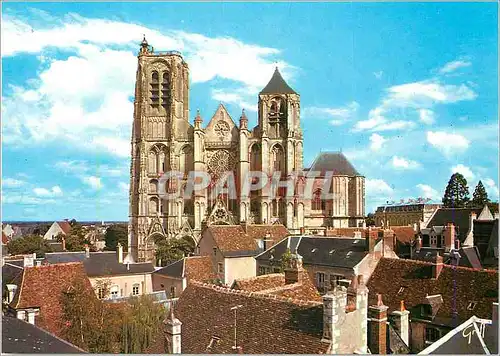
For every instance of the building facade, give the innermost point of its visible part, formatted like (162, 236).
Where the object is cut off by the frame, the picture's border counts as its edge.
(405, 213)
(164, 140)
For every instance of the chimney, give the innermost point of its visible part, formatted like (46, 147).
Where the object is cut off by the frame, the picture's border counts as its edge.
(244, 224)
(419, 243)
(334, 304)
(293, 270)
(449, 237)
(377, 327)
(87, 251)
(437, 266)
(370, 240)
(29, 260)
(172, 333)
(302, 231)
(401, 319)
(120, 253)
(63, 241)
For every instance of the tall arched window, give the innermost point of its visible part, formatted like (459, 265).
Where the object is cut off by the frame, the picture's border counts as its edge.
(152, 164)
(165, 90)
(255, 157)
(278, 159)
(153, 206)
(317, 202)
(155, 89)
(179, 82)
(162, 162)
(185, 159)
(153, 186)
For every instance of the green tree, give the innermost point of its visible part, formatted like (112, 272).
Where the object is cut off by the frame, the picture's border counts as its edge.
(480, 196)
(142, 321)
(171, 250)
(285, 259)
(29, 244)
(370, 219)
(456, 194)
(115, 234)
(75, 240)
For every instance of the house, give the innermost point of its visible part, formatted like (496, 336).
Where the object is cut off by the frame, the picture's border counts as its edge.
(112, 274)
(214, 319)
(437, 297)
(175, 277)
(486, 242)
(34, 293)
(329, 260)
(473, 337)
(411, 212)
(57, 227)
(231, 250)
(293, 283)
(266, 235)
(21, 337)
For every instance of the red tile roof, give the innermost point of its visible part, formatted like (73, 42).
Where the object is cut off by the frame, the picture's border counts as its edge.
(265, 324)
(65, 226)
(276, 232)
(5, 239)
(404, 234)
(411, 281)
(274, 284)
(42, 287)
(199, 268)
(232, 238)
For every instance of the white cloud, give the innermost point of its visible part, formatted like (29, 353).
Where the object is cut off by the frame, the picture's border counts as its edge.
(93, 182)
(74, 167)
(376, 142)
(124, 187)
(12, 183)
(463, 170)
(232, 97)
(454, 65)
(378, 74)
(376, 187)
(447, 143)
(428, 192)
(91, 107)
(337, 116)
(403, 163)
(426, 116)
(44, 192)
(491, 187)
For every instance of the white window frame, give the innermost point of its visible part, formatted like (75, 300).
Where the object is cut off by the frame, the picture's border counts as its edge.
(136, 286)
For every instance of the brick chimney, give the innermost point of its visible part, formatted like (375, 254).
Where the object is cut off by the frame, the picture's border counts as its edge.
(437, 266)
(377, 327)
(294, 269)
(119, 251)
(172, 333)
(370, 240)
(449, 237)
(401, 318)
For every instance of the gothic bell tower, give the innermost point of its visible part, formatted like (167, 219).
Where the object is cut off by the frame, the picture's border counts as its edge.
(160, 122)
(281, 144)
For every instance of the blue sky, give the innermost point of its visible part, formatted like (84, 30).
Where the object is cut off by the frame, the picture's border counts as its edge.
(408, 91)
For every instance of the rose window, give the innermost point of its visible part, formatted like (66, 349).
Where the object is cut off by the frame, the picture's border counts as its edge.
(220, 162)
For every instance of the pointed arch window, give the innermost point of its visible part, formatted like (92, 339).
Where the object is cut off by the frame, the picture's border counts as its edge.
(255, 157)
(165, 90)
(155, 89)
(278, 159)
(317, 202)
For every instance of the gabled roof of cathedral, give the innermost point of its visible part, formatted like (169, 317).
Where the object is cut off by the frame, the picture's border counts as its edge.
(277, 85)
(334, 162)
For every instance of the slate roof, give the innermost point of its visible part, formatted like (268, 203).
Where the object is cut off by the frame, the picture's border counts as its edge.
(334, 162)
(274, 284)
(197, 268)
(232, 240)
(469, 256)
(454, 343)
(266, 324)
(411, 281)
(19, 336)
(42, 287)
(460, 217)
(326, 251)
(100, 263)
(277, 85)
(11, 274)
(486, 236)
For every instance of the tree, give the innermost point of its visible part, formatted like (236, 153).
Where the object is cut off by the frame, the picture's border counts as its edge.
(285, 259)
(171, 250)
(142, 321)
(480, 196)
(115, 234)
(370, 219)
(29, 244)
(75, 240)
(456, 194)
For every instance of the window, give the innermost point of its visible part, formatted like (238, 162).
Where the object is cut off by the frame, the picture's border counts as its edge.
(101, 293)
(276, 270)
(433, 240)
(471, 306)
(220, 267)
(334, 280)
(172, 292)
(262, 270)
(114, 291)
(155, 90)
(432, 334)
(320, 279)
(317, 202)
(135, 289)
(215, 251)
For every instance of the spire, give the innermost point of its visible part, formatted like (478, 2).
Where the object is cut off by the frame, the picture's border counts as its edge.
(277, 85)
(198, 116)
(144, 45)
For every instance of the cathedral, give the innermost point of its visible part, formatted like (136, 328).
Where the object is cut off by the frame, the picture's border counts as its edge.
(163, 140)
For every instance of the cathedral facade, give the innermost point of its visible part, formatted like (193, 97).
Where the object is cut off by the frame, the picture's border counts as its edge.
(163, 140)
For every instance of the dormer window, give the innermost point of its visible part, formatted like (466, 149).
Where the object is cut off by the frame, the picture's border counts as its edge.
(314, 250)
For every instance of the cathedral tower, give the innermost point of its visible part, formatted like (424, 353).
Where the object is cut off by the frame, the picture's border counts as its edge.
(161, 141)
